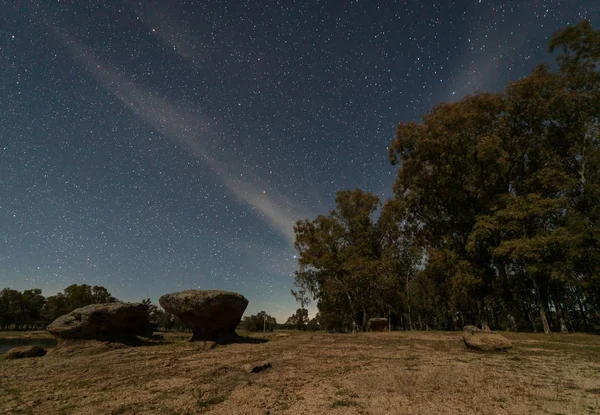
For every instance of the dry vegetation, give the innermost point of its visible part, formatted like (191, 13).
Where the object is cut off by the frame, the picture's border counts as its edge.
(41, 334)
(368, 373)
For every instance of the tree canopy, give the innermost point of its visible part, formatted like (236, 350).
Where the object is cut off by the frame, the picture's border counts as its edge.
(30, 309)
(259, 322)
(495, 217)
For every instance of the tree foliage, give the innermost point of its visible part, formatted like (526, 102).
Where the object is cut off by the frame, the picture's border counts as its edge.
(31, 310)
(298, 320)
(75, 296)
(495, 217)
(259, 322)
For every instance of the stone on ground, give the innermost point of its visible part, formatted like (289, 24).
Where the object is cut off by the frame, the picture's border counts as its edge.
(378, 324)
(257, 367)
(211, 315)
(485, 341)
(114, 322)
(25, 351)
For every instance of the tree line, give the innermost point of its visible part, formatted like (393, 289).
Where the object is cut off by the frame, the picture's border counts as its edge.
(495, 214)
(30, 310)
(297, 321)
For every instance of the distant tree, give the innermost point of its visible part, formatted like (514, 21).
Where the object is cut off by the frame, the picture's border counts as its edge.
(75, 296)
(21, 310)
(341, 258)
(314, 324)
(153, 311)
(259, 322)
(299, 319)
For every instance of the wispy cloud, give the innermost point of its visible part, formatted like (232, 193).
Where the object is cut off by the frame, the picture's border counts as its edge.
(161, 24)
(197, 133)
(478, 69)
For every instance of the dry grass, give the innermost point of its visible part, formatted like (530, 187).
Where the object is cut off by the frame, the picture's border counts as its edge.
(368, 373)
(42, 334)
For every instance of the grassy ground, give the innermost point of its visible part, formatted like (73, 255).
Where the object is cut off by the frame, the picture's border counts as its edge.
(313, 373)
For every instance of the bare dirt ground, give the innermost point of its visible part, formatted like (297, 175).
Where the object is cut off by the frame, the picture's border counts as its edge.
(313, 373)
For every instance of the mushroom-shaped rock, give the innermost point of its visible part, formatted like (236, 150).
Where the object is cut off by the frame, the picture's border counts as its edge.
(211, 315)
(485, 341)
(116, 322)
(378, 324)
(25, 351)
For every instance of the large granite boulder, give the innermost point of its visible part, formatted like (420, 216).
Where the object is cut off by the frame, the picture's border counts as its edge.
(25, 351)
(211, 315)
(485, 341)
(115, 322)
(378, 324)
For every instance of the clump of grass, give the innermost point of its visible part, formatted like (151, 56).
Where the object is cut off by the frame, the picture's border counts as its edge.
(83, 383)
(14, 392)
(125, 409)
(66, 409)
(344, 392)
(205, 403)
(344, 403)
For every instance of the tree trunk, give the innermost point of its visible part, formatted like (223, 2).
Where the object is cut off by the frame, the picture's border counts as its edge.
(352, 311)
(583, 312)
(544, 319)
(561, 317)
(509, 301)
(410, 324)
(541, 306)
(483, 317)
(532, 320)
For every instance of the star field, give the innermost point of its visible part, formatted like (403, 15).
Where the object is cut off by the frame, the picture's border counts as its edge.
(157, 146)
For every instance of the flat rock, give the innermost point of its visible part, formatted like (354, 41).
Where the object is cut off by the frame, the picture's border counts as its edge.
(378, 324)
(114, 322)
(24, 352)
(485, 341)
(211, 315)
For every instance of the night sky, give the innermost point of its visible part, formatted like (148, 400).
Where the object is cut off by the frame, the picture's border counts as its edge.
(156, 146)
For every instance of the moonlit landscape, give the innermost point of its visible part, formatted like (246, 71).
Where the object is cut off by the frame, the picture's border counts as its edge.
(151, 147)
(300, 207)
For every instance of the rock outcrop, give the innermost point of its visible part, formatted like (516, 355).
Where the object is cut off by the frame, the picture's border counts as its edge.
(485, 341)
(114, 322)
(25, 351)
(378, 324)
(211, 315)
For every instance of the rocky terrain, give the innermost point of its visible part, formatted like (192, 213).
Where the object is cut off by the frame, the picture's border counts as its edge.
(311, 373)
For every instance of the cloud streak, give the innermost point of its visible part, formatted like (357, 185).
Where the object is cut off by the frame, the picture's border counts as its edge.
(193, 131)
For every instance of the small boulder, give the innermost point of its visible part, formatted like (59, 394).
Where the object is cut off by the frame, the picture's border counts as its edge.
(485, 341)
(114, 322)
(25, 351)
(472, 329)
(257, 367)
(211, 315)
(378, 324)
